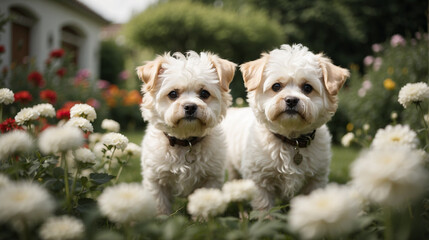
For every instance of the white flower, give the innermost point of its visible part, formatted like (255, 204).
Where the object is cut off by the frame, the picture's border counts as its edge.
(6, 96)
(390, 176)
(63, 227)
(45, 110)
(25, 201)
(98, 150)
(81, 123)
(395, 136)
(4, 180)
(133, 149)
(25, 115)
(205, 203)
(15, 142)
(127, 202)
(60, 139)
(83, 110)
(347, 139)
(239, 190)
(328, 212)
(115, 140)
(394, 115)
(110, 125)
(95, 137)
(366, 127)
(413, 93)
(84, 155)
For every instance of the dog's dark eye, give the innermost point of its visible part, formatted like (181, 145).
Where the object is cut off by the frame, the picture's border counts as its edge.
(307, 88)
(276, 87)
(204, 94)
(173, 95)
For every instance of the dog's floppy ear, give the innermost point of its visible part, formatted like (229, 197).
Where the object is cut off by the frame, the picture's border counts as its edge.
(149, 72)
(225, 70)
(333, 76)
(252, 72)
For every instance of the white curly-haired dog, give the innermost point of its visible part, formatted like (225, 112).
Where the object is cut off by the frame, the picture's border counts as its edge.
(283, 145)
(185, 97)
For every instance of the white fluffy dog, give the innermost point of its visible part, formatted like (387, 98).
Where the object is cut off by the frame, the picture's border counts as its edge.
(184, 100)
(283, 145)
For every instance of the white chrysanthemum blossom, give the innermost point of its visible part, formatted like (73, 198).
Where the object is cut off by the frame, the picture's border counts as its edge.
(206, 202)
(98, 150)
(81, 123)
(26, 115)
(25, 202)
(60, 139)
(133, 150)
(83, 110)
(93, 138)
(45, 110)
(239, 190)
(84, 155)
(110, 125)
(127, 202)
(413, 93)
(347, 139)
(398, 135)
(115, 140)
(329, 212)
(6, 96)
(390, 176)
(15, 142)
(62, 227)
(4, 180)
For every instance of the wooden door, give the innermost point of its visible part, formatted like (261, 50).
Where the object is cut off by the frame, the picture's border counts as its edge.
(20, 42)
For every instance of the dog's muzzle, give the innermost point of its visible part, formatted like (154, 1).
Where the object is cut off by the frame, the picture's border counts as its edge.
(291, 105)
(190, 111)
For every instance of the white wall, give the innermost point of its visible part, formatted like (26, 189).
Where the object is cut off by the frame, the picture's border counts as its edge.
(52, 16)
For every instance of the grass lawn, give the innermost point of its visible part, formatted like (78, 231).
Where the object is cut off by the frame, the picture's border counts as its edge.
(341, 159)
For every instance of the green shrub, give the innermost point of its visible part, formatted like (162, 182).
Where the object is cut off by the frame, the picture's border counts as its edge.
(181, 26)
(112, 61)
(371, 98)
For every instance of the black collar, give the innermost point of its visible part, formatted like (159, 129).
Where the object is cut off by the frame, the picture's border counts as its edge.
(183, 142)
(302, 141)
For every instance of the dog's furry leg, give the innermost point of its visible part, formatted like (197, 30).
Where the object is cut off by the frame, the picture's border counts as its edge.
(263, 201)
(317, 181)
(213, 182)
(163, 198)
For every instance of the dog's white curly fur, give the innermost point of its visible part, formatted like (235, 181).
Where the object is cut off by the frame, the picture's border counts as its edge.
(177, 170)
(254, 152)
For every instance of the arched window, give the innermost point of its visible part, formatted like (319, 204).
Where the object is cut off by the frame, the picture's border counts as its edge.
(72, 41)
(22, 23)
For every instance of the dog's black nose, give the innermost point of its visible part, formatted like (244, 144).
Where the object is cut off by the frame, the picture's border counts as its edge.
(190, 109)
(291, 102)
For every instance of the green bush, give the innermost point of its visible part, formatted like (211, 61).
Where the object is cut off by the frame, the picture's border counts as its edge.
(181, 26)
(112, 61)
(371, 98)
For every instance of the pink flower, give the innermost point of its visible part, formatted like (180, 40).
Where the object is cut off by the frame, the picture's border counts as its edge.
(366, 84)
(124, 75)
(103, 84)
(83, 73)
(377, 63)
(377, 47)
(397, 40)
(368, 60)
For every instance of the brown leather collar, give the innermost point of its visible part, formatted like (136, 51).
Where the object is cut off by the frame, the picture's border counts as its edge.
(302, 141)
(183, 142)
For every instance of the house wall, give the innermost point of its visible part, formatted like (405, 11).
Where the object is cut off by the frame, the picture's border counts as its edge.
(46, 32)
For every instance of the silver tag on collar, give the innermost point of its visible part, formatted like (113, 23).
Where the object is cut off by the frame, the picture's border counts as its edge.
(297, 158)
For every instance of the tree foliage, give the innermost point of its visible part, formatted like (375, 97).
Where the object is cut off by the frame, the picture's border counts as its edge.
(181, 26)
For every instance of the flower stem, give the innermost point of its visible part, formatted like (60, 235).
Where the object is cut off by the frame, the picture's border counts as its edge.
(388, 226)
(74, 179)
(244, 219)
(111, 159)
(421, 112)
(120, 169)
(66, 181)
(1, 113)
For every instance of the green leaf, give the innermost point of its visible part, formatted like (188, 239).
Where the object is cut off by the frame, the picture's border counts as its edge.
(100, 178)
(58, 172)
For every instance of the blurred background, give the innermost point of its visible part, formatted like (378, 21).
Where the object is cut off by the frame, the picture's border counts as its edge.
(383, 43)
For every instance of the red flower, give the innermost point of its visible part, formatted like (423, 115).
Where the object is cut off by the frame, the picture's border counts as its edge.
(9, 124)
(23, 97)
(36, 78)
(57, 53)
(61, 72)
(63, 113)
(49, 95)
(2, 49)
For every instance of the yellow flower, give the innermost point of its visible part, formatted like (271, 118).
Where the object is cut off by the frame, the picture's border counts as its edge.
(354, 67)
(390, 70)
(349, 127)
(405, 71)
(389, 84)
